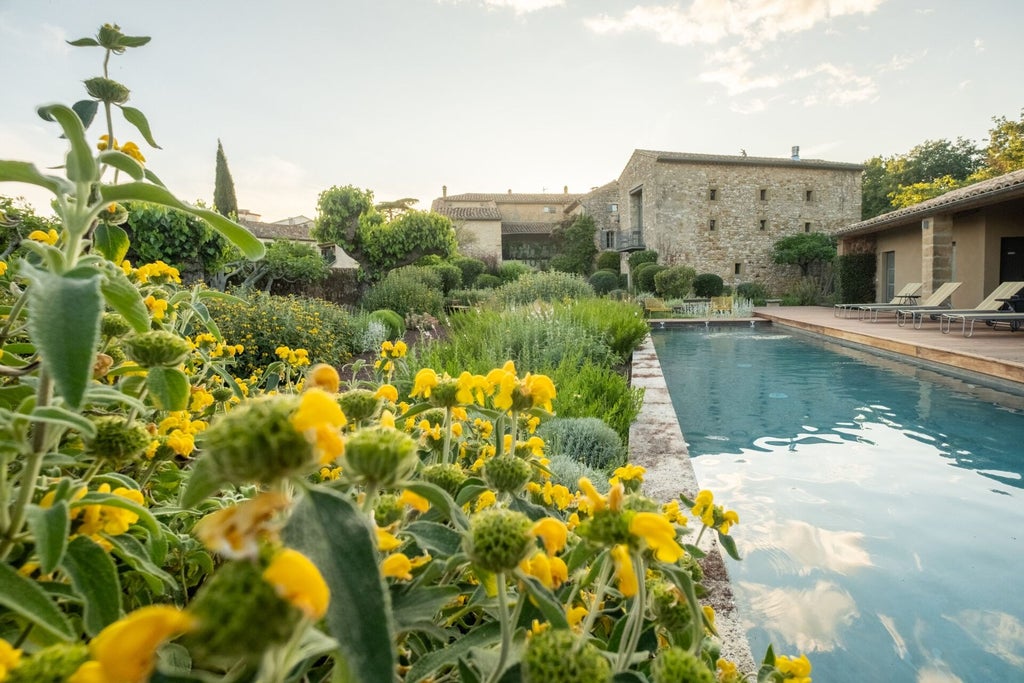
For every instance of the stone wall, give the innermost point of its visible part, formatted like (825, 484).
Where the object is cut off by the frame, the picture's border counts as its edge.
(723, 218)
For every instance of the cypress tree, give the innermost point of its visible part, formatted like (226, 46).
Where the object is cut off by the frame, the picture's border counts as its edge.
(224, 200)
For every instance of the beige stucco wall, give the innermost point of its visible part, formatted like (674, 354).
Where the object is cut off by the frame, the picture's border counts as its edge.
(906, 243)
(484, 240)
(677, 212)
(969, 267)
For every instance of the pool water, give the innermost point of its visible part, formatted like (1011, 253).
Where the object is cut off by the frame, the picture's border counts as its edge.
(881, 504)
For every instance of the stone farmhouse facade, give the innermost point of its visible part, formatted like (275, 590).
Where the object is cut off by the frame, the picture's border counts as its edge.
(507, 226)
(973, 235)
(717, 214)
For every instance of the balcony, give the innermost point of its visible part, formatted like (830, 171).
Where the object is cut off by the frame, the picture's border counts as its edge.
(630, 241)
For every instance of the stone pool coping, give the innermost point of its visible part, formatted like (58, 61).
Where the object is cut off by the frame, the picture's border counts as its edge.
(656, 443)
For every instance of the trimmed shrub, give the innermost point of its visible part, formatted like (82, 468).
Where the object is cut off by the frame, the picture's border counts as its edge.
(585, 439)
(609, 260)
(393, 323)
(567, 472)
(643, 277)
(638, 258)
(708, 285)
(755, 291)
(262, 322)
(604, 281)
(550, 286)
(856, 277)
(411, 289)
(589, 390)
(451, 276)
(513, 270)
(487, 281)
(674, 282)
(471, 268)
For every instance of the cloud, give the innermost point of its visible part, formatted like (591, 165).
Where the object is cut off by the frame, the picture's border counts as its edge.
(812, 619)
(837, 85)
(979, 45)
(519, 6)
(901, 62)
(711, 21)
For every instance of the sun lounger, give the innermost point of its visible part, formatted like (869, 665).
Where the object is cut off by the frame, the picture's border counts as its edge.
(906, 296)
(937, 299)
(991, 304)
(653, 305)
(1013, 320)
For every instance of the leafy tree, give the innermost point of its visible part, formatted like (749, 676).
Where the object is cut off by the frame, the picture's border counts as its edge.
(346, 216)
(908, 195)
(876, 185)
(285, 260)
(575, 248)
(180, 239)
(1005, 151)
(803, 249)
(224, 200)
(17, 220)
(397, 207)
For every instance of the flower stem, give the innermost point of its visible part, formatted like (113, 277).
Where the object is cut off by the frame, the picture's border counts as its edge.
(506, 627)
(447, 434)
(601, 587)
(635, 620)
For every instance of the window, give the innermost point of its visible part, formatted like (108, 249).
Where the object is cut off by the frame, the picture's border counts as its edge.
(737, 269)
(764, 225)
(763, 194)
(613, 208)
(609, 239)
(711, 224)
(809, 195)
(807, 227)
(713, 194)
(549, 209)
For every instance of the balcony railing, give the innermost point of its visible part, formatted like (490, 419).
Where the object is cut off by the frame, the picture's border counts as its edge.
(630, 241)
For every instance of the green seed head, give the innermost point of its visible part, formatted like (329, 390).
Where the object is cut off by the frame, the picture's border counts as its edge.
(157, 348)
(380, 457)
(107, 90)
(387, 510)
(114, 325)
(449, 477)
(606, 528)
(676, 665)
(498, 539)
(53, 664)
(117, 439)
(443, 395)
(256, 442)
(359, 404)
(507, 473)
(557, 656)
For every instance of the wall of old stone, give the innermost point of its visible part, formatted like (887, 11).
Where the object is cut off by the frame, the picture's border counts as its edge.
(753, 207)
(480, 239)
(603, 206)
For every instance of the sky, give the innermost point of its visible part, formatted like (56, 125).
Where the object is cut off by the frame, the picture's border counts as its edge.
(402, 97)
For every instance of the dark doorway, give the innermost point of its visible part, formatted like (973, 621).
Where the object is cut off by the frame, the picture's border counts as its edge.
(1011, 259)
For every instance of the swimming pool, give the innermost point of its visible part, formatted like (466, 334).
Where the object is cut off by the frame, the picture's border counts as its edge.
(880, 503)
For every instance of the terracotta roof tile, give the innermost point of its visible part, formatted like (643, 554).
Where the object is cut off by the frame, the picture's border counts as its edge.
(528, 228)
(689, 157)
(469, 213)
(277, 231)
(985, 192)
(513, 198)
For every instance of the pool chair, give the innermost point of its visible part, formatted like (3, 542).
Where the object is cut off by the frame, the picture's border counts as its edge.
(1012, 320)
(937, 299)
(990, 304)
(906, 296)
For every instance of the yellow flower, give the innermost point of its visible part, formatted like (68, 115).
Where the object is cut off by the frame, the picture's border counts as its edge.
(625, 574)
(3, 267)
(727, 672)
(730, 517)
(704, 507)
(485, 500)
(201, 400)
(658, 533)
(575, 615)
(234, 532)
(9, 658)
(414, 500)
(797, 670)
(132, 150)
(426, 379)
(397, 566)
(297, 580)
(158, 307)
(504, 380)
(320, 418)
(550, 571)
(596, 502)
(628, 473)
(125, 651)
(386, 540)
(49, 237)
(104, 143)
(471, 388)
(323, 376)
(540, 389)
(387, 392)
(552, 532)
(107, 519)
(387, 419)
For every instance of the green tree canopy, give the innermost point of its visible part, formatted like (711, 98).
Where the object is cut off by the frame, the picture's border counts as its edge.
(1005, 151)
(396, 207)
(803, 249)
(224, 201)
(575, 247)
(346, 216)
(17, 220)
(288, 261)
(180, 239)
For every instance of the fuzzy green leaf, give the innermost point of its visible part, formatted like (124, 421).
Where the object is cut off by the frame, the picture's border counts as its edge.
(64, 322)
(122, 295)
(548, 604)
(64, 418)
(169, 388)
(203, 482)
(246, 242)
(440, 540)
(482, 636)
(158, 543)
(50, 528)
(24, 172)
(122, 162)
(729, 544)
(337, 538)
(441, 501)
(26, 598)
(80, 166)
(86, 109)
(111, 241)
(94, 578)
(84, 42)
(138, 119)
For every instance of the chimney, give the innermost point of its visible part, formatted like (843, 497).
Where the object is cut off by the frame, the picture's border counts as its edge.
(444, 191)
(796, 152)
(510, 190)
(565, 189)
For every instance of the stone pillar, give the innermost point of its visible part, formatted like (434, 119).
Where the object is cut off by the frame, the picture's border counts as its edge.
(936, 252)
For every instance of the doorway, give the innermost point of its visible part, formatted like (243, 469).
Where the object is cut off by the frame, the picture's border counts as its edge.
(1011, 259)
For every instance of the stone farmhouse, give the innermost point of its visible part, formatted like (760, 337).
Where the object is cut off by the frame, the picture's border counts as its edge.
(718, 214)
(973, 235)
(507, 227)
(295, 229)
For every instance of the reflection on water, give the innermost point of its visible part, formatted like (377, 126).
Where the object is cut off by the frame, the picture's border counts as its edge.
(879, 524)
